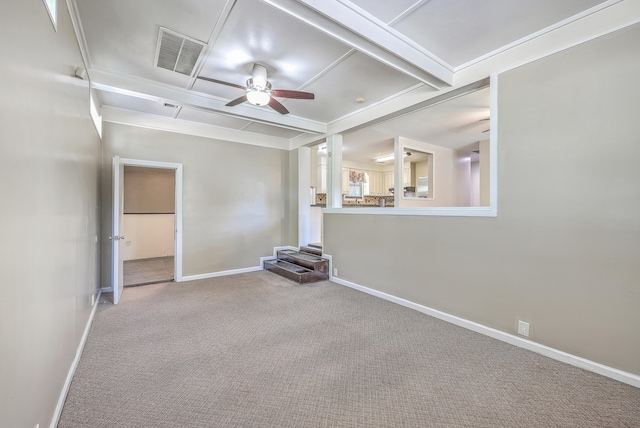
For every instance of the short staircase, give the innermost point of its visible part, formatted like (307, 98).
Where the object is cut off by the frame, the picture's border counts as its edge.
(302, 266)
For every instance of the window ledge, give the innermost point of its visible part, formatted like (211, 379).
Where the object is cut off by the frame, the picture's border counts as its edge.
(432, 211)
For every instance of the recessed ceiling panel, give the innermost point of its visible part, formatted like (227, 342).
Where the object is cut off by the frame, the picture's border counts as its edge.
(385, 11)
(122, 35)
(292, 52)
(358, 76)
(458, 31)
(275, 131)
(365, 145)
(211, 118)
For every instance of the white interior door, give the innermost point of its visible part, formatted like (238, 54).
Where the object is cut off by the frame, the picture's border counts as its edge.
(118, 198)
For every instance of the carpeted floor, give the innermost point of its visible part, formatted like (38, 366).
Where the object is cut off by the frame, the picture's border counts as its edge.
(255, 350)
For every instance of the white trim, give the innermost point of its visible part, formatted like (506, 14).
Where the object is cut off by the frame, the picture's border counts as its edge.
(241, 270)
(538, 33)
(369, 36)
(178, 206)
(72, 6)
(493, 142)
(220, 273)
(427, 211)
(74, 366)
(179, 126)
(304, 195)
(52, 11)
(490, 211)
(106, 290)
(108, 80)
(565, 357)
(275, 253)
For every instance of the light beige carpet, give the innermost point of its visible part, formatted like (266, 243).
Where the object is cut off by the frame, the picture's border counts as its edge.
(255, 350)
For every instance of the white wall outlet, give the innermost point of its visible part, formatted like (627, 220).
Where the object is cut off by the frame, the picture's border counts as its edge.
(523, 328)
(335, 272)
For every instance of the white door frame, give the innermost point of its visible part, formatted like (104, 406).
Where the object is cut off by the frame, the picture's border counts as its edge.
(177, 167)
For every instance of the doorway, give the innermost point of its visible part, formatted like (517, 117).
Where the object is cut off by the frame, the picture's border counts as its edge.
(148, 225)
(119, 239)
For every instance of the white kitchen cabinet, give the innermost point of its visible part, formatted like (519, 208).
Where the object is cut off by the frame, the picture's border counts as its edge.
(406, 176)
(388, 181)
(374, 186)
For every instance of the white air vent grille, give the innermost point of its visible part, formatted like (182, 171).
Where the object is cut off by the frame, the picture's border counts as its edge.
(176, 52)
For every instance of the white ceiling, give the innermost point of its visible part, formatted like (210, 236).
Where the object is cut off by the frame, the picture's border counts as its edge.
(340, 50)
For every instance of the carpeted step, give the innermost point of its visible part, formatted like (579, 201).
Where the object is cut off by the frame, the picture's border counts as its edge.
(299, 274)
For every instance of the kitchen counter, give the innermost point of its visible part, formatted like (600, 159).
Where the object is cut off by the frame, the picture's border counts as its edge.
(368, 201)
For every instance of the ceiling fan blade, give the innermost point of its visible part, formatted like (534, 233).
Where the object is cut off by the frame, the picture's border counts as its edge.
(237, 101)
(277, 106)
(209, 79)
(299, 95)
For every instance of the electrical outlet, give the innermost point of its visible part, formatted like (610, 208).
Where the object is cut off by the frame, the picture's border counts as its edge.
(523, 328)
(335, 272)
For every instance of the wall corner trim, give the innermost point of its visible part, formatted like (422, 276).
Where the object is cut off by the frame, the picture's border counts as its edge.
(74, 365)
(574, 360)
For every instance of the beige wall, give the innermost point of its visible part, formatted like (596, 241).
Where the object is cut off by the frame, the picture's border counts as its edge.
(49, 217)
(563, 253)
(235, 196)
(148, 236)
(149, 190)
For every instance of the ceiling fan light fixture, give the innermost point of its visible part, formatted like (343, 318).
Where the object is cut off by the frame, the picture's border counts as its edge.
(258, 98)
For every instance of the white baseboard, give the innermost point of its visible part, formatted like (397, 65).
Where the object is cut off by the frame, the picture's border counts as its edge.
(74, 365)
(220, 273)
(275, 253)
(237, 271)
(574, 360)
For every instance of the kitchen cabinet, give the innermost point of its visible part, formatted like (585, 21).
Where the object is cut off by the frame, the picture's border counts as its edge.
(376, 183)
(388, 181)
(406, 176)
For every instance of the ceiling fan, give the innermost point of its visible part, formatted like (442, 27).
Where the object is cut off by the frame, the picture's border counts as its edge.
(488, 129)
(259, 92)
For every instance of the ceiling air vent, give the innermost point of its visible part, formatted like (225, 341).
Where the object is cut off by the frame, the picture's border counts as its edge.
(177, 52)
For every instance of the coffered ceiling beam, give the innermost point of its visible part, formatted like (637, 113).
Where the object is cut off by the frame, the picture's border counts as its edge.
(140, 88)
(353, 26)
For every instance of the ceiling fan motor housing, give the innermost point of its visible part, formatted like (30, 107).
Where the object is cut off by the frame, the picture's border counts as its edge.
(257, 94)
